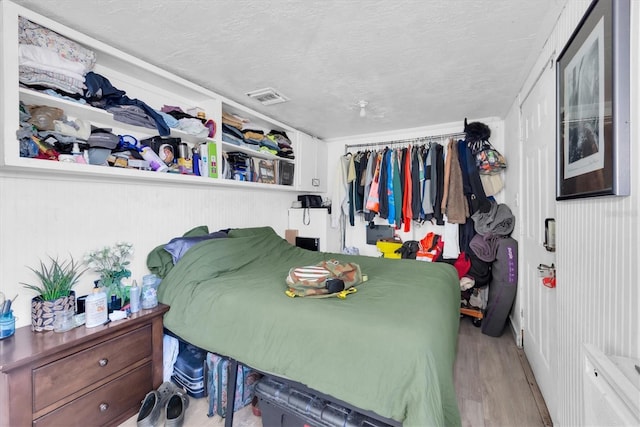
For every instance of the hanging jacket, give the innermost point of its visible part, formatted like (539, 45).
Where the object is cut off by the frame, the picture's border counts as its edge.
(479, 199)
(427, 206)
(397, 189)
(457, 208)
(339, 197)
(416, 202)
(373, 198)
(437, 175)
(383, 187)
(447, 174)
(372, 160)
(462, 160)
(407, 190)
(351, 178)
(361, 166)
(390, 194)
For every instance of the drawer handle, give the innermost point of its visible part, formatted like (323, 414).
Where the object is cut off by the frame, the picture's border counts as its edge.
(104, 407)
(103, 362)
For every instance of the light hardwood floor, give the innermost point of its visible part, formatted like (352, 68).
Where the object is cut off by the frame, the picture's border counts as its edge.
(491, 383)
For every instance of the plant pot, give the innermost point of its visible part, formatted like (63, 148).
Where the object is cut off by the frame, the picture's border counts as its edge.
(43, 313)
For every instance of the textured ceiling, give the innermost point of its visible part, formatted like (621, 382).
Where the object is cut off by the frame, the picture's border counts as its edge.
(417, 62)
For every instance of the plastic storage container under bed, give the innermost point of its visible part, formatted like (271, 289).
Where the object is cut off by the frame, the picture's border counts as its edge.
(285, 404)
(190, 370)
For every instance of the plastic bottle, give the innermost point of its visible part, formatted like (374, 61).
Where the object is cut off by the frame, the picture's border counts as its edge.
(95, 307)
(77, 154)
(155, 162)
(134, 296)
(196, 163)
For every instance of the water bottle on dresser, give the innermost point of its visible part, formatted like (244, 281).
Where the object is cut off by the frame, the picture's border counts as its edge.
(134, 296)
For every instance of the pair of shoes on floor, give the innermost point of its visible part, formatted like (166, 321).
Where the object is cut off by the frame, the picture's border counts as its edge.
(168, 398)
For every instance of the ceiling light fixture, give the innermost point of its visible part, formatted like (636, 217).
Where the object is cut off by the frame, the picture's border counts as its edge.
(363, 105)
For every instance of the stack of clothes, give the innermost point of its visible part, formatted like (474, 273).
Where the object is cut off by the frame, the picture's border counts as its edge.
(48, 60)
(178, 119)
(237, 131)
(61, 67)
(284, 148)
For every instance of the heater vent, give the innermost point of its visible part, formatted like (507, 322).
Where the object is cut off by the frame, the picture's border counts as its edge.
(267, 96)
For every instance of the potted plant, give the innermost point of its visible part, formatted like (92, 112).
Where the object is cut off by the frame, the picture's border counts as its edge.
(112, 265)
(54, 291)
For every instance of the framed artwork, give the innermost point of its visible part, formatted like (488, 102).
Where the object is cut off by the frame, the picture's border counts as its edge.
(593, 93)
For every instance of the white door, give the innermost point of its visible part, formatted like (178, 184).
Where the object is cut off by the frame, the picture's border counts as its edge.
(538, 202)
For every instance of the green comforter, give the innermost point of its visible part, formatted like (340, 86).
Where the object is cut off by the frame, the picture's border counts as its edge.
(388, 348)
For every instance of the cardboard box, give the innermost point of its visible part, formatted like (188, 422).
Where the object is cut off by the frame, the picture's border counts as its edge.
(290, 236)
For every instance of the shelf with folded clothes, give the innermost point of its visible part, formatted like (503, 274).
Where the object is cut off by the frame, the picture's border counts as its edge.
(96, 115)
(255, 135)
(107, 72)
(117, 148)
(252, 152)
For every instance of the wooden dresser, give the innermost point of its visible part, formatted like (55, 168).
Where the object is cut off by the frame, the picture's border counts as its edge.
(95, 376)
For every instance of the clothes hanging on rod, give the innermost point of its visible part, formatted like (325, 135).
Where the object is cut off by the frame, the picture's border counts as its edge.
(390, 183)
(423, 140)
(426, 182)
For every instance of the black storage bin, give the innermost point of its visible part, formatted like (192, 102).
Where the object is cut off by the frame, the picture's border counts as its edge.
(288, 404)
(190, 370)
(285, 173)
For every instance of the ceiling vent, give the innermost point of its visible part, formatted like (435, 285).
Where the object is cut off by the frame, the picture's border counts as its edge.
(267, 96)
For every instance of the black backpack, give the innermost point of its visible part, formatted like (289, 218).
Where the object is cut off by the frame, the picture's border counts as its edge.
(409, 249)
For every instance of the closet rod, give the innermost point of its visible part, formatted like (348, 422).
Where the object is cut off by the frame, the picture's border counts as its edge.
(405, 141)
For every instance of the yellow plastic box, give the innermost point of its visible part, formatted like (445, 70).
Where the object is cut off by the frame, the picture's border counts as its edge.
(388, 248)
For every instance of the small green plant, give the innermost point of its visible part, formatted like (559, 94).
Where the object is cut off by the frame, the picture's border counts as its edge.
(56, 279)
(112, 263)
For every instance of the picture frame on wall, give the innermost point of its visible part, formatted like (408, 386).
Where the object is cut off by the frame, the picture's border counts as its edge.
(593, 93)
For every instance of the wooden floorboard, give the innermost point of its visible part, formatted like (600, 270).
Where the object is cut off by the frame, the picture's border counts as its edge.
(499, 382)
(535, 390)
(493, 380)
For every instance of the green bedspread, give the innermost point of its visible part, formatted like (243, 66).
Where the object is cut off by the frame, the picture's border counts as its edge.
(388, 348)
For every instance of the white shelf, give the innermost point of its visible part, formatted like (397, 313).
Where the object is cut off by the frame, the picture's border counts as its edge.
(138, 79)
(97, 115)
(27, 166)
(228, 147)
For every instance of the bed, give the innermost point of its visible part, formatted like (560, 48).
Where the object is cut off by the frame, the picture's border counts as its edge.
(389, 348)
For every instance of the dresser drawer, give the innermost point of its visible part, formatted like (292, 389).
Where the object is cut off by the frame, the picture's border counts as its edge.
(71, 374)
(104, 404)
